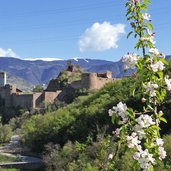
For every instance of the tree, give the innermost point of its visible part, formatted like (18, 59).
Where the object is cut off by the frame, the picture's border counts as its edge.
(38, 88)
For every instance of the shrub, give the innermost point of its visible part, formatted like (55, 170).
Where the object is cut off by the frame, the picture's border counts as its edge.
(5, 133)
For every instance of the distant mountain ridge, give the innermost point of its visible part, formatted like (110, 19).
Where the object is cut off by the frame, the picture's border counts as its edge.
(20, 83)
(39, 72)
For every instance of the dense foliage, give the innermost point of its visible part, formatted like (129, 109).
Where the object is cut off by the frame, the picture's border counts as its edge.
(79, 120)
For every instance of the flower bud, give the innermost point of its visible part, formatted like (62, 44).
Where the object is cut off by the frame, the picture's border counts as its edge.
(132, 24)
(143, 100)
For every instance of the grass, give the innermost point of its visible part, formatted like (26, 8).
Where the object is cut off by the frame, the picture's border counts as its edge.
(4, 158)
(1, 169)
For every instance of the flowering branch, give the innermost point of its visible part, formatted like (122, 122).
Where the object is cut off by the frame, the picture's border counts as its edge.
(140, 131)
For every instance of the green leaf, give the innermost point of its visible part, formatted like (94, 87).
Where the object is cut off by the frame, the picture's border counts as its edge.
(128, 12)
(164, 61)
(127, 4)
(135, 35)
(147, 1)
(151, 168)
(129, 34)
(149, 25)
(113, 119)
(150, 44)
(150, 107)
(163, 119)
(160, 74)
(143, 7)
(139, 65)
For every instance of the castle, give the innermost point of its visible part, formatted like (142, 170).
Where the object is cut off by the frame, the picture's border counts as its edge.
(93, 81)
(14, 97)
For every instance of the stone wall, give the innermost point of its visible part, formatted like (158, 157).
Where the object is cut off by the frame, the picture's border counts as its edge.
(34, 100)
(50, 97)
(22, 100)
(38, 100)
(102, 81)
(92, 81)
(6, 92)
(89, 81)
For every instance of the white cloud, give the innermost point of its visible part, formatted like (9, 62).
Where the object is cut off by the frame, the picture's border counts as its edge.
(100, 37)
(8, 53)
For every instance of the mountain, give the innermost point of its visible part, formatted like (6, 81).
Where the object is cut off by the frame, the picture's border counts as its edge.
(39, 71)
(20, 83)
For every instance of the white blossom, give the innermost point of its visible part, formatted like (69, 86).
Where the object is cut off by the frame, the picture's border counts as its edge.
(168, 82)
(159, 142)
(154, 51)
(144, 164)
(149, 32)
(121, 110)
(110, 156)
(162, 153)
(158, 66)
(144, 158)
(146, 16)
(136, 156)
(151, 89)
(139, 148)
(117, 132)
(110, 111)
(149, 38)
(139, 130)
(145, 121)
(133, 140)
(130, 60)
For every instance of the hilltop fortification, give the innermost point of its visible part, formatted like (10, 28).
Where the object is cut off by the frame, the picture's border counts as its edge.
(73, 77)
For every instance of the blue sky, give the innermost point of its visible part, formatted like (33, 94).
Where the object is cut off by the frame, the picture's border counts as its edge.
(53, 28)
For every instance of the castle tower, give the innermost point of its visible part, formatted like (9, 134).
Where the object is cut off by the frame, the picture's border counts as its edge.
(89, 81)
(3, 79)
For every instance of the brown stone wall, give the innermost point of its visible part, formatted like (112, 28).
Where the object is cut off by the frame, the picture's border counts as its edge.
(85, 80)
(22, 100)
(102, 81)
(6, 92)
(93, 81)
(38, 100)
(89, 81)
(50, 97)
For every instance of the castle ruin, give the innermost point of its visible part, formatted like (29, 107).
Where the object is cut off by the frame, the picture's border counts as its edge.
(14, 97)
(93, 81)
